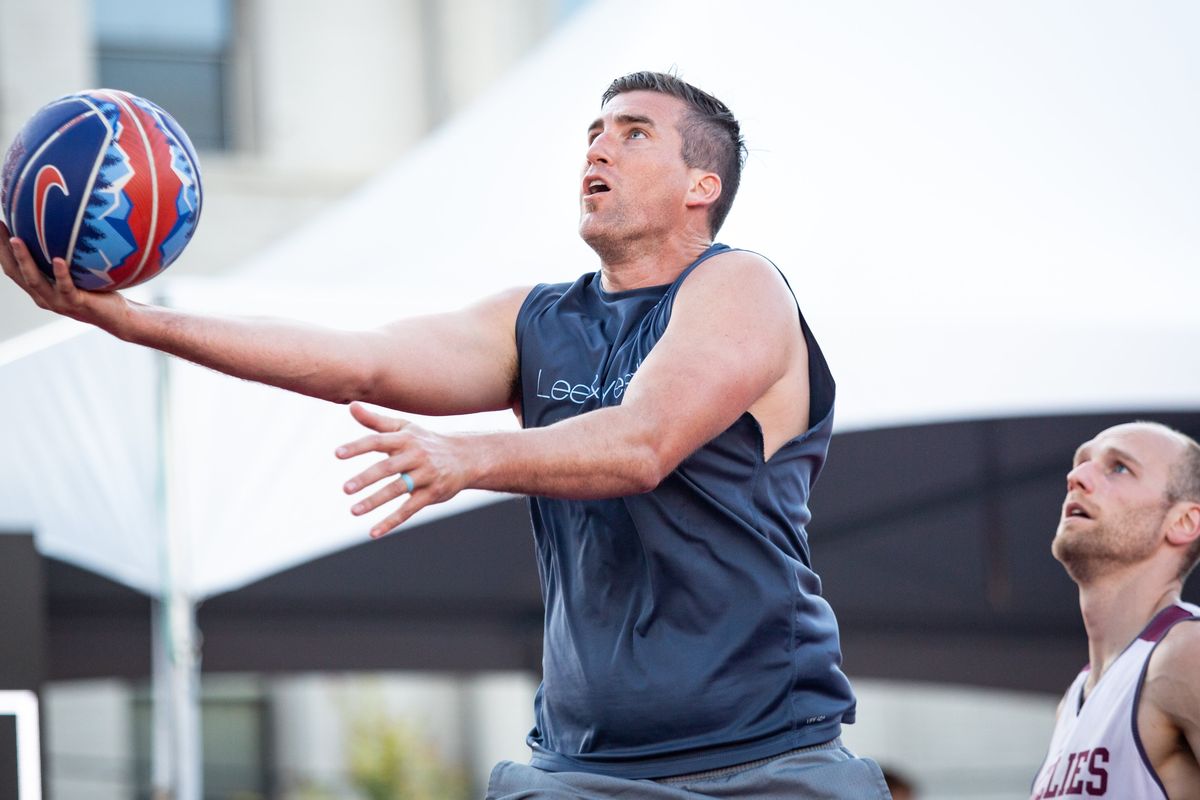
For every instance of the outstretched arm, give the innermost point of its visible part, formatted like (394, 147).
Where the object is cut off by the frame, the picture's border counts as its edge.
(466, 360)
(732, 338)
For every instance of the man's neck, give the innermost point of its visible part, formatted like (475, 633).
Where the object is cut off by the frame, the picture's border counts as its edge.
(661, 262)
(1116, 608)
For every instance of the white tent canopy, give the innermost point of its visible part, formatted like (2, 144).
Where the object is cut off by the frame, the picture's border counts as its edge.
(986, 209)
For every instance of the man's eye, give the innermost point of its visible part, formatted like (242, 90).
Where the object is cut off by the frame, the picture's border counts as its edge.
(1118, 467)
(637, 133)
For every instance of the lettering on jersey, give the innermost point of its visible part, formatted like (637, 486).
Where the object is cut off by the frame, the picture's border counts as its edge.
(1085, 775)
(560, 390)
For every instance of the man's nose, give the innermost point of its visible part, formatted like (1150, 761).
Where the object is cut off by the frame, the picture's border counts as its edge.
(1080, 477)
(598, 151)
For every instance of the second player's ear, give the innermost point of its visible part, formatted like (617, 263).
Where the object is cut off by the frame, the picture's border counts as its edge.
(1184, 523)
(705, 189)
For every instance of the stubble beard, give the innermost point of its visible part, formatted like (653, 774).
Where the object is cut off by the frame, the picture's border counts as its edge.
(1110, 545)
(623, 234)
(610, 239)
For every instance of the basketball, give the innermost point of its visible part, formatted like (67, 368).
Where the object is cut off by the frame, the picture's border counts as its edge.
(108, 182)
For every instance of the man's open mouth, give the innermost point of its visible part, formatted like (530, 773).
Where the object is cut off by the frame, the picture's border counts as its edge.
(1076, 510)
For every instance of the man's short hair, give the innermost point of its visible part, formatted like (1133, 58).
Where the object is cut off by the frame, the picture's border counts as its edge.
(1183, 484)
(712, 137)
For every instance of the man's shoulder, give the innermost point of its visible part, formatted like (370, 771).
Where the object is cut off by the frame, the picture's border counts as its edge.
(736, 265)
(743, 258)
(1180, 645)
(1172, 678)
(741, 278)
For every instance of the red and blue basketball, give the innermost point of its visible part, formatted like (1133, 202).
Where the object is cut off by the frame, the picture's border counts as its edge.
(108, 182)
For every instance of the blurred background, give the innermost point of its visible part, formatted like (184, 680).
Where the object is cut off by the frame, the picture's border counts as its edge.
(989, 211)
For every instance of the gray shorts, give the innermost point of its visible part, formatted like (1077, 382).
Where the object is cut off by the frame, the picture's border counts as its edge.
(823, 772)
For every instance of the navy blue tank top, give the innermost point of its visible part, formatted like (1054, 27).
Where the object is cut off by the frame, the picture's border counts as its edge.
(685, 628)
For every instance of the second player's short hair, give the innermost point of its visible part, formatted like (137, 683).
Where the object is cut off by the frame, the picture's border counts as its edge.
(1184, 485)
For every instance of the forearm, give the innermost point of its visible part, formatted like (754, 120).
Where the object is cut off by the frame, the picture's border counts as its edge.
(466, 362)
(604, 453)
(308, 359)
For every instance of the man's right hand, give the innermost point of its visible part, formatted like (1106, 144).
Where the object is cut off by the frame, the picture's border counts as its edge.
(62, 296)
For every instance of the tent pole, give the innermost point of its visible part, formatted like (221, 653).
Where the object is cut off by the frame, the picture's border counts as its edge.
(177, 753)
(176, 756)
(160, 695)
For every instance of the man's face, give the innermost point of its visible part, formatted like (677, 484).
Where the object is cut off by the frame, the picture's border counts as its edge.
(1116, 502)
(634, 178)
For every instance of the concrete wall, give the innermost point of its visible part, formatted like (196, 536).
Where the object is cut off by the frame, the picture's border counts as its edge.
(956, 743)
(455, 725)
(89, 736)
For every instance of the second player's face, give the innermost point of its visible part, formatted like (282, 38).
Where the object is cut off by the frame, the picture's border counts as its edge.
(634, 179)
(1116, 499)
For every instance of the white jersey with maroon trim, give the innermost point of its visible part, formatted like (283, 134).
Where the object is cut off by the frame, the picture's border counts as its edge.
(1096, 750)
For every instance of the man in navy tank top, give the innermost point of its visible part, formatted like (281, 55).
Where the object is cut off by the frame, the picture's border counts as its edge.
(1128, 728)
(676, 411)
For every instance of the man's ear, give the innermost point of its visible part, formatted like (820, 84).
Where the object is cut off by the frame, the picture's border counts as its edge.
(705, 189)
(1183, 523)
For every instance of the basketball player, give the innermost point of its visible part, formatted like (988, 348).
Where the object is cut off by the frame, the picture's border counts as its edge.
(676, 411)
(1129, 726)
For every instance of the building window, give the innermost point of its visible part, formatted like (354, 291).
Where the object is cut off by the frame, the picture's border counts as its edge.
(176, 55)
(235, 732)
